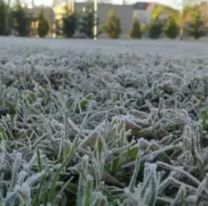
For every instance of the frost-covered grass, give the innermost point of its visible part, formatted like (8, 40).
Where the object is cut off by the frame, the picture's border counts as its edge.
(164, 47)
(96, 130)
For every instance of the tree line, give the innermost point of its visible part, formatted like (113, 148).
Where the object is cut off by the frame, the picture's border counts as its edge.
(165, 22)
(170, 23)
(16, 21)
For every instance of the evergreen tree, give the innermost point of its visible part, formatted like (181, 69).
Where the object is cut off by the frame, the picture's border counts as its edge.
(196, 26)
(171, 28)
(86, 21)
(135, 31)
(113, 25)
(69, 25)
(20, 20)
(155, 29)
(43, 26)
(2, 17)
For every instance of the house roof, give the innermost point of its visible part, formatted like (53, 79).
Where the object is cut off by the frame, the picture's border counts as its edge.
(141, 5)
(47, 12)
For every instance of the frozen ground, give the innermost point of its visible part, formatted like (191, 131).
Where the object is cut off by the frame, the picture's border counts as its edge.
(106, 123)
(140, 47)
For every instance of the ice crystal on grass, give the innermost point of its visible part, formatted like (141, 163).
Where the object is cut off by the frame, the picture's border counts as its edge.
(102, 130)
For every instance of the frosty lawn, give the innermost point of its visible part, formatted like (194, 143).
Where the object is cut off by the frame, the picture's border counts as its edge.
(168, 48)
(103, 128)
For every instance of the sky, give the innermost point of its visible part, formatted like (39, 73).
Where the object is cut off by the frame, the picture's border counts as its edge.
(43, 2)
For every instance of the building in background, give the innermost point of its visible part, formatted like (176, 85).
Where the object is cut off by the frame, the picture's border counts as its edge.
(126, 13)
(143, 11)
(204, 11)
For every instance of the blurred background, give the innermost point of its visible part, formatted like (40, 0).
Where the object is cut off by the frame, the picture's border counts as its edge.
(174, 19)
